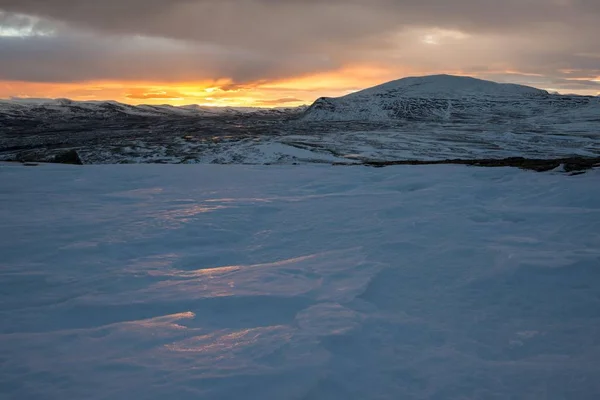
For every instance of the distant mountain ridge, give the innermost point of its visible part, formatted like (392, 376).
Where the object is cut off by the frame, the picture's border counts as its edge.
(443, 98)
(437, 118)
(435, 98)
(66, 109)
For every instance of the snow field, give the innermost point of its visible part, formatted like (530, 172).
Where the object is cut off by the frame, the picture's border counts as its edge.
(298, 282)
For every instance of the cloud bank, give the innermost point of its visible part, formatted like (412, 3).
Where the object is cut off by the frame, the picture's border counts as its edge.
(549, 43)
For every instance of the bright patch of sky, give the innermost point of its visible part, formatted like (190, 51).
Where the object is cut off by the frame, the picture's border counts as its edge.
(18, 25)
(438, 36)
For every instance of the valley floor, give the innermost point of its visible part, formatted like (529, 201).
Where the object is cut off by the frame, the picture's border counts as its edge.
(298, 282)
(259, 141)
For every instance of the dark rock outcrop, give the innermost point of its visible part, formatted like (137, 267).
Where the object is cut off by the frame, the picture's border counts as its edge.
(68, 157)
(570, 165)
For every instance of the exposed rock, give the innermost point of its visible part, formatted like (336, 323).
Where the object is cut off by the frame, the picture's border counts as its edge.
(68, 157)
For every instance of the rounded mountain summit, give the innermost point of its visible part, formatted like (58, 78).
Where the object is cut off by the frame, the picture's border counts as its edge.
(444, 98)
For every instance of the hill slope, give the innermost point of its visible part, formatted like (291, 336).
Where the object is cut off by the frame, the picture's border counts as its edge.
(444, 98)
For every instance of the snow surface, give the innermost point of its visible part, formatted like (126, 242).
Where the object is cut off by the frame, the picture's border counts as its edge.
(307, 282)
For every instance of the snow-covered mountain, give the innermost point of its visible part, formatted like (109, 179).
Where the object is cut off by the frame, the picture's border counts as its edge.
(65, 109)
(445, 98)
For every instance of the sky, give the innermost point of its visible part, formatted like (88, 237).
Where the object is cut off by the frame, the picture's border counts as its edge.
(287, 52)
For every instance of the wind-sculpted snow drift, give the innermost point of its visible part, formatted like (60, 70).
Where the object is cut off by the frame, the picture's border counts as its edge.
(306, 282)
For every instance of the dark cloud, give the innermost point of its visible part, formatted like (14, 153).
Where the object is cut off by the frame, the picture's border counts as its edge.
(253, 40)
(243, 22)
(73, 59)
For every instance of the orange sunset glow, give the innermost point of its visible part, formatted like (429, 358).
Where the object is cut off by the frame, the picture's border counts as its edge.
(290, 92)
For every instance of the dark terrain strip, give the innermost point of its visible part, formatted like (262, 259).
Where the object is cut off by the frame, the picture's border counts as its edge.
(570, 164)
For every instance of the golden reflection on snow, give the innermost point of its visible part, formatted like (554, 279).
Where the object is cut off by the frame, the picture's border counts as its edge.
(227, 342)
(284, 278)
(219, 271)
(197, 273)
(160, 324)
(232, 280)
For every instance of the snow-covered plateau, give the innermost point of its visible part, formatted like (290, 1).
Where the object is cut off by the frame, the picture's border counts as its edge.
(298, 282)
